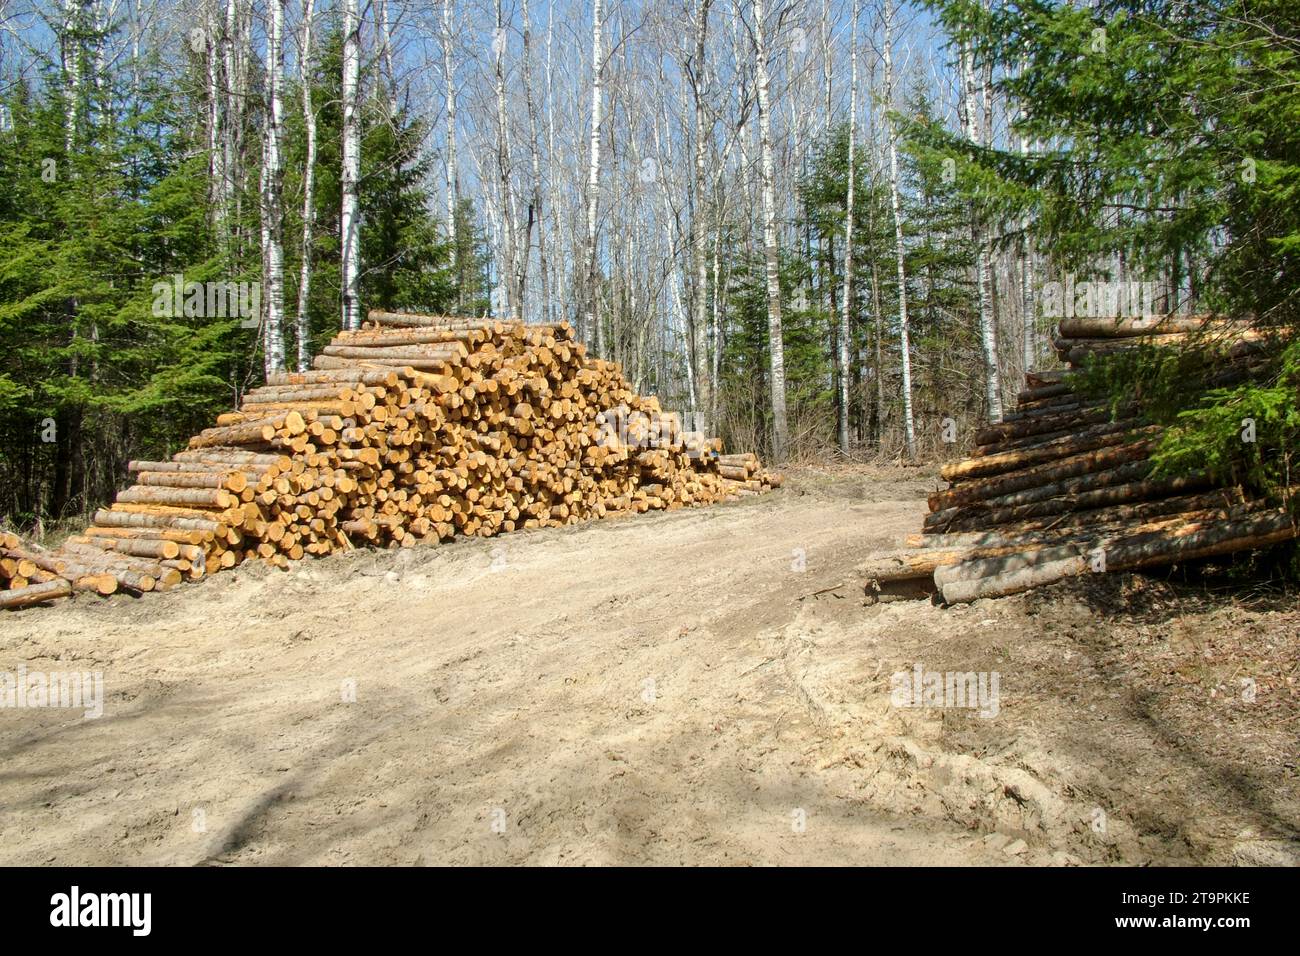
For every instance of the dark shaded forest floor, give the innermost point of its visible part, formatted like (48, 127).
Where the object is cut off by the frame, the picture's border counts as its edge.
(693, 687)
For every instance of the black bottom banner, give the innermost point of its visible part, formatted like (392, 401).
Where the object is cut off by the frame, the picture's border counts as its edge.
(338, 905)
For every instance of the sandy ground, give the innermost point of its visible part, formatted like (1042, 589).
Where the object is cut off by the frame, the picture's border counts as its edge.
(699, 687)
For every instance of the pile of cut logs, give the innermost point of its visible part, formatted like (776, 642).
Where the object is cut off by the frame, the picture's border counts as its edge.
(1062, 487)
(1079, 337)
(30, 577)
(412, 429)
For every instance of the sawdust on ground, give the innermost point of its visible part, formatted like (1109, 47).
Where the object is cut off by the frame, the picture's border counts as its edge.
(695, 687)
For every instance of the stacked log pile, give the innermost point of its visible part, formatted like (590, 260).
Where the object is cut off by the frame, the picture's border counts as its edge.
(1079, 337)
(1064, 486)
(28, 577)
(413, 429)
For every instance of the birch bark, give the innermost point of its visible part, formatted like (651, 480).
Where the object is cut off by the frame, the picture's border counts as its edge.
(591, 304)
(272, 207)
(776, 346)
(449, 78)
(302, 324)
(350, 218)
(905, 349)
(847, 299)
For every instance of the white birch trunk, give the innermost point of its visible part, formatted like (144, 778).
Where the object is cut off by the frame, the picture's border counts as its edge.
(100, 19)
(826, 245)
(847, 303)
(905, 348)
(776, 346)
(676, 281)
(742, 135)
(513, 260)
(135, 53)
(1029, 341)
(699, 357)
(535, 150)
(591, 304)
(272, 207)
(386, 44)
(984, 268)
(350, 226)
(302, 324)
(550, 148)
(449, 77)
(70, 53)
(230, 133)
(216, 149)
(718, 343)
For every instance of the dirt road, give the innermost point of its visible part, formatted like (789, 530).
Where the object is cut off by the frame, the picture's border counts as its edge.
(700, 687)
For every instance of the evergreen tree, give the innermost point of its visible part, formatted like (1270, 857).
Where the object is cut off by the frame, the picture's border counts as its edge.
(1169, 149)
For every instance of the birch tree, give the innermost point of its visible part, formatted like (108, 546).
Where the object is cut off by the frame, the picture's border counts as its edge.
(272, 207)
(235, 62)
(302, 321)
(553, 177)
(591, 301)
(827, 245)
(776, 346)
(71, 54)
(228, 143)
(535, 211)
(386, 50)
(1029, 340)
(846, 304)
(350, 221)
(698, 347)
(514, 261)
(449, 79)
(216, 150)
(904, 344)
(983, 264)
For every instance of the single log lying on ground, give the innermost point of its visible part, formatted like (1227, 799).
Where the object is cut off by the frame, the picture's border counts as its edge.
(35, 594)
(1012, 582)
(1132, 552)
(926, 562)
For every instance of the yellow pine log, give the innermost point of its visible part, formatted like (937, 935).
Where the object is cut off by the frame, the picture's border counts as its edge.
(289, 423)
(444, 351)
(331, 362)
(351, 374)
(309, 411)
(233, 456)
(411, 336)
(160, 534)
(156, 548)
(196, 498)
(34, 594)
(235, 481)
(134, 575)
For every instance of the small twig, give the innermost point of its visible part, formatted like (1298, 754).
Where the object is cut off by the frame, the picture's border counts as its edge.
(823, 590)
